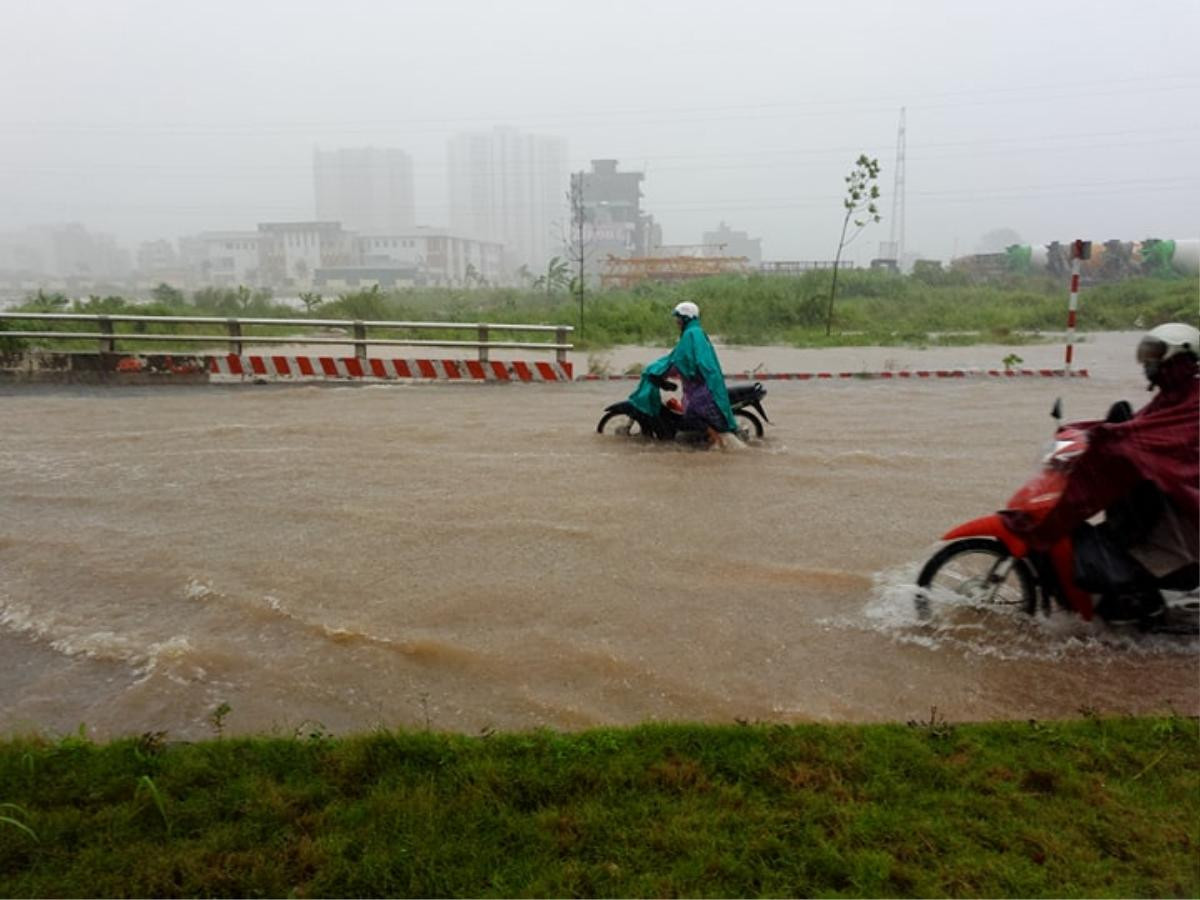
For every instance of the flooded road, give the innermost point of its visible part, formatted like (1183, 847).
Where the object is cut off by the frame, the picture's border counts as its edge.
(467, 557)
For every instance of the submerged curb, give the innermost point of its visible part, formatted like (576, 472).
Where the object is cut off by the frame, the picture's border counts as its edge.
(166, 368)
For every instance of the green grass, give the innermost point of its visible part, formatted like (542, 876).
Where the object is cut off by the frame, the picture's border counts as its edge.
(872, 308)
(1100, 807)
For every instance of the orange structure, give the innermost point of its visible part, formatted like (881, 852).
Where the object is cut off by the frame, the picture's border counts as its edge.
(624, 272)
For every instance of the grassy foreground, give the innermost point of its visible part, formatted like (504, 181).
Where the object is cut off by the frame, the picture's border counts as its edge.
(1099, 807)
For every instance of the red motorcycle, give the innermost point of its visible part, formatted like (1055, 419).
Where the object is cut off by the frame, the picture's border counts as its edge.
(984, 562)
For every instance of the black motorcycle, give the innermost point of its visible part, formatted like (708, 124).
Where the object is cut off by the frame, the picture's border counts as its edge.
(670, 424)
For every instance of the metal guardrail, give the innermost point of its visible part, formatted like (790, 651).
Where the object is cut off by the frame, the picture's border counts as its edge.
(236, 338)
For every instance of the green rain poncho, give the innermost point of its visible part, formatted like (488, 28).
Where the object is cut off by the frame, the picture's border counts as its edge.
(695, 360)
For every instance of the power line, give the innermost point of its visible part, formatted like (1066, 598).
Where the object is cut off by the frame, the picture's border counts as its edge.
(1055, 91)
(1014, 145)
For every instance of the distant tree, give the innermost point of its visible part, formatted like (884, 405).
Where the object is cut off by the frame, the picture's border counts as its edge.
(472, 278)
(167, 295)
(215, 299)
(43, 302)
(367, 304)
(97, 305)
(861, 194)
(578, 243)
(311, 301)
(558, 275)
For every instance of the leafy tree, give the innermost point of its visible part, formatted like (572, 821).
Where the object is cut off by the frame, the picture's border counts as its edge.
(368, 304)
(97, 305)
(216, 300)
(43, 302)
(861, 194)
(472, 278)
(557, 277)
(167, 295)
(311, 301)
(578, 243)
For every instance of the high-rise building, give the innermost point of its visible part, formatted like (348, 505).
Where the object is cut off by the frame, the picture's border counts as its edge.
(511, 188)
(612, 212)
(367, 189)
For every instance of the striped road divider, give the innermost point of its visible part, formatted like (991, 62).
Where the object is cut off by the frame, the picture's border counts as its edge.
(352, 367)
(898, 375)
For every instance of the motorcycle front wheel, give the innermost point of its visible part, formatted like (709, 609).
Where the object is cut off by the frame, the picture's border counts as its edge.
(748, 424)
(621, 424)
(979, 572)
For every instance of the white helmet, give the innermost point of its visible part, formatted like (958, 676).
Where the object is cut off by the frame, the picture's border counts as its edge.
(1161, 343)
(686, 310)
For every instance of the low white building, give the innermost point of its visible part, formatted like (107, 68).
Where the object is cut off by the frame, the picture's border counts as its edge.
(222, 258)
(290, 253)
(434, 256)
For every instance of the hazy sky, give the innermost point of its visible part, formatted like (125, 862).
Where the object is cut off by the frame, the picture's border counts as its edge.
(159, 118)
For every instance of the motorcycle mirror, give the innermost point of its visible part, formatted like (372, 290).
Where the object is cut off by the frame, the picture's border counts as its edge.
(1056, 411)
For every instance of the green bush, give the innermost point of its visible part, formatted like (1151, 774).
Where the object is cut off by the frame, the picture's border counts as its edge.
(873, 308)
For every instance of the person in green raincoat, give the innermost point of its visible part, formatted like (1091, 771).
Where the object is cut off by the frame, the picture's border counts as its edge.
(705, 399)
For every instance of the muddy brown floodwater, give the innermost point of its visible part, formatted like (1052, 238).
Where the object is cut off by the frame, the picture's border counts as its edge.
(466, 557)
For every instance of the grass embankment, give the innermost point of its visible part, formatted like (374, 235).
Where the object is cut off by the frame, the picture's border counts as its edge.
(1094, 807)
(872, 308)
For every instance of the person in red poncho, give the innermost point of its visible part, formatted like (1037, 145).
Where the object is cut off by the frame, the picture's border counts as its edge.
(1143, 470)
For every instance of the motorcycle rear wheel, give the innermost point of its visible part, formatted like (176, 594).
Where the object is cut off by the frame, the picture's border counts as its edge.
(977, 571)
(621, 424)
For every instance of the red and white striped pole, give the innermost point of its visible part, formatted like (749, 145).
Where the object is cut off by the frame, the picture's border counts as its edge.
(1080, 250)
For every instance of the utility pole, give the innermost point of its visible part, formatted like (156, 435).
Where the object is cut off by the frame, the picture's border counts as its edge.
(577, 219)
(897, 243)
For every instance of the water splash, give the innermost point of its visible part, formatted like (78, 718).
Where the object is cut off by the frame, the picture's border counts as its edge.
(1004, 633)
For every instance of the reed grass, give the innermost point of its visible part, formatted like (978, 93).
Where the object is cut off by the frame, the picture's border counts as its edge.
(873, 308)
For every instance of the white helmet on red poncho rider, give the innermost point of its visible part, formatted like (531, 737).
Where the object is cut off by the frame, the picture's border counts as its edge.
(1166, 342)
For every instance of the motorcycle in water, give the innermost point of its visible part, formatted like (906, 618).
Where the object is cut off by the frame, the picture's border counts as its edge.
(670, 425)
(986, 564)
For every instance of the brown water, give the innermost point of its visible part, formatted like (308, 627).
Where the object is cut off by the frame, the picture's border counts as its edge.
(475, 556)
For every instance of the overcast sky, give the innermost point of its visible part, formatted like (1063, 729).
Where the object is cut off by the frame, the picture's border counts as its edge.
(160, 118)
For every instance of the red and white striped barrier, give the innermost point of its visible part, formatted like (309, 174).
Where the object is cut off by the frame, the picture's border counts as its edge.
(352, 367)
(1079, 250)
(899, 374)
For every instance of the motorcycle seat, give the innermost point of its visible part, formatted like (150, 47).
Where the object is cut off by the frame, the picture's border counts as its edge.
(745, 393)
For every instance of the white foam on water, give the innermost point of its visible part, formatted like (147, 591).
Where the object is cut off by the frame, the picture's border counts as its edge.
(198, 589)
(73, 639)
(174, 658)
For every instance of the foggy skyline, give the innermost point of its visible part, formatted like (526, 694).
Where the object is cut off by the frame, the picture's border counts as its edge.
(1055, 120)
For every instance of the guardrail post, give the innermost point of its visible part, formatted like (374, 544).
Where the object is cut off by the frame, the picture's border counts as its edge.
(235, 332)
(483, 341)
(560, 337)
(108, 344)
(360, 339)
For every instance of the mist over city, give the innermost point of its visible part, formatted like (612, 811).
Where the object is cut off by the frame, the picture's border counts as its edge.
(435, 143)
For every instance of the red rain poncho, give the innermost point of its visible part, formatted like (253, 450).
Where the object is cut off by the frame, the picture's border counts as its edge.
(1160, 443)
